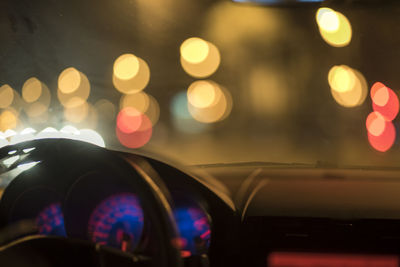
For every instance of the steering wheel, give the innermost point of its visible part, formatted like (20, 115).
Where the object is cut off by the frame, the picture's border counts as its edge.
(82, 157)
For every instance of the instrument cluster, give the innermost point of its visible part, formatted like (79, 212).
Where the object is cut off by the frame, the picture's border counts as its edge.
(101, 206)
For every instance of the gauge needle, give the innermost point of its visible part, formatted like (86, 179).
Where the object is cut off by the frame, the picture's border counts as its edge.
(125, 242)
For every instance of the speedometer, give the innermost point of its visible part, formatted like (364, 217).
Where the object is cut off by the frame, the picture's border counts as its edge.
(50, 221)
(117, 222)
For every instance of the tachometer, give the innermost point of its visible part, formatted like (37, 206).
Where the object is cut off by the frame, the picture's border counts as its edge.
(194, 228)
(117, 222)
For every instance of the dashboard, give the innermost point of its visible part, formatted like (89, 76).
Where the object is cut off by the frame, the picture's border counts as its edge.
(117, 201)
(70, 203)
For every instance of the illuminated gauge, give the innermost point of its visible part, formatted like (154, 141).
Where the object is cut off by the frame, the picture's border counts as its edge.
(117, 222)
(194, 229)
(50, 221)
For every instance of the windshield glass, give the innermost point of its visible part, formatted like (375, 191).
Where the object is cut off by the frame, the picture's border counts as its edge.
(205, 81)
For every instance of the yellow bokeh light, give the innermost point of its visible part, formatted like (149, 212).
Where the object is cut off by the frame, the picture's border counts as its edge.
(194, 50)
(341, 78)
(135, 84)
(76, 97)
(69, 80)
(126, 66)
(349, 87)
(37, 98)
(153, 111)
(217, 111)
(205, 67)
(8, 120)
(139, 101)
(334, 27)
(202, 94)
(76, 114)
(31, 90)
(327, 19)
(6, 96)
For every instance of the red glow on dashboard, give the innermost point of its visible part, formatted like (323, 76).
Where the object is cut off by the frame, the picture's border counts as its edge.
(384, 101)
(288, 259)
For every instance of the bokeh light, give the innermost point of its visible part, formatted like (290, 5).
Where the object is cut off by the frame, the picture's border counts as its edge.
(6, 96)
(215, 110)
(153, 111)
(139, 101)
(69, 130)
(349, 87)
(69, 80)
(134, 129)
(328, 19)
(48, 132)
(194, 50)
(129, 120)
(92, 137)
(31, 90)
(131, 84)
(197, 60)
(385, 140)
(126, 67)
(26, 134)
(36, 96)
(384, 101)
(8, 120)
(379, 94)
(334, 27)
(203, 94)
(76, 114)
(74, 89)
(182, 119)
(375, 123)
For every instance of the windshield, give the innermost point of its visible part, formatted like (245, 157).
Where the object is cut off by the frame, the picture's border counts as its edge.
(205, 81)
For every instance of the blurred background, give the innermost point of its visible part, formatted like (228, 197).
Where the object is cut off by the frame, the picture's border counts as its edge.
(205, 81)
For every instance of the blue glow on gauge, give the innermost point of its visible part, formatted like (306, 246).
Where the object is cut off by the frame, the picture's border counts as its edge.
(118, 222)
(50, 221)
(194, 229)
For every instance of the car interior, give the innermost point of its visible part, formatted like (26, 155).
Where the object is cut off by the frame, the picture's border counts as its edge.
(199, 133)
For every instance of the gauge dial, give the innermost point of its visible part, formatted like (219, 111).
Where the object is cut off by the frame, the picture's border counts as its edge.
(194, 228)
(117, 222)
(50, 220)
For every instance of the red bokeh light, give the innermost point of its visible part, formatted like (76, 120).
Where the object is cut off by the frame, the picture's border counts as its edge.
(375, 123)
(385, 101)
(379, 94)
(385, 140)
(134, 129)
(129, 120)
